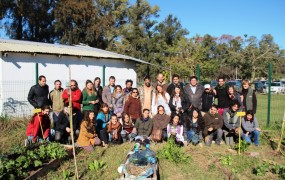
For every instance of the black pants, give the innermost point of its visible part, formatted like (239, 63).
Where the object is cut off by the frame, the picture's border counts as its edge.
(104, 135)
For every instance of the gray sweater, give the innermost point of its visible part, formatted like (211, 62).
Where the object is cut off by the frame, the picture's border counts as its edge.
(231, 120)
(249, 126)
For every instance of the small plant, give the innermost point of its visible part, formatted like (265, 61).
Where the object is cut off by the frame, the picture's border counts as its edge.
(65, 174)
(97, 165)
(226, 160)
(173, 153)
(243, 146)
(262, 169)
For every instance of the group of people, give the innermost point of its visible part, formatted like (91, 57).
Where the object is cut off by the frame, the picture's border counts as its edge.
(158, 111)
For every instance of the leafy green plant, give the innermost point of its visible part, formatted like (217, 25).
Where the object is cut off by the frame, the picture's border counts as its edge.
(65, 174)
(173, 152)
(97, 165)
(261, 169)
(243, 146)
(226, 160)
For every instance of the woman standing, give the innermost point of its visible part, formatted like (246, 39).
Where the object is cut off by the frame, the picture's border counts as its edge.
(160, 97)
(118, 99)
(178, 102)
(133, 105)
(234, 95)
(249, 100)
(99, 89)
(87, 136)
(89, 98)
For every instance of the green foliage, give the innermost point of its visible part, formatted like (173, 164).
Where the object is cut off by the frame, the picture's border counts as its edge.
(265, 167)
(20, 160)
(65, 174)
(4, 118)
(226, 160)
(97, 165)
(173, 153)
(243, 146)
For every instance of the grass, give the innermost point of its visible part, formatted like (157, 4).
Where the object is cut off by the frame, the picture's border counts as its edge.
(277, 110)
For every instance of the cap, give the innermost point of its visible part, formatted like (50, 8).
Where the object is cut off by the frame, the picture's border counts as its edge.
(207, 86)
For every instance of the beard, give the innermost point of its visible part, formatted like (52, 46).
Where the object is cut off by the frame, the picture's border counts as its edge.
(147, 84)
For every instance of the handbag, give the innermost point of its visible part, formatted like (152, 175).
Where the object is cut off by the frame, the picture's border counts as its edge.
(156, 135)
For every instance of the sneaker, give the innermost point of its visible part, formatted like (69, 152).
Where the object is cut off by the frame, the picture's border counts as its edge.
(26, 143)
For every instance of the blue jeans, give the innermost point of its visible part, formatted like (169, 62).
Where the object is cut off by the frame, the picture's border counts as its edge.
(192, 136)
(253, 135)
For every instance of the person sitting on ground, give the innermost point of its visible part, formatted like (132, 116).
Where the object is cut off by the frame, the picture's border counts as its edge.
(231, 123)
(87, 137)
(62, 130)
(118, 99)
(251, 131)
(213, 126)
(114, 130)
(160, 122)
(102, 120)
(127, 127)
(38, 128)
(175, 130)
(195, 125)
(143, 126)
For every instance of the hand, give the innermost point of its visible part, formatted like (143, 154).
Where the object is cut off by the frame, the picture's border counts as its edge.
(173, 133)
(92, 102)
(258, 129)
(246, 134)
(118, 114)
(182, 110)
(237, 130)
(214, 91)
(68, 129)
(96, 101)
(210, 129)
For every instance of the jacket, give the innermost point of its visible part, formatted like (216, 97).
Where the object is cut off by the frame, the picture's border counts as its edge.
(231, 120)
(249, 100)
(184, 103)
(194, 98)
(40, 122)
(38, 96)
(144, 127)
(164, 85)
(249, 126)
(200, 125)
(214, 121)
(172, 86)
(56, 100)
(115, 129)
(85, 101)
(62, 122)
(160, 121)
(207, 100)
(86, 137)
(76, 97)
(141, 90)
(107, 95)
(118, 104)
(133, 107)
(102, 120)
(223, 97)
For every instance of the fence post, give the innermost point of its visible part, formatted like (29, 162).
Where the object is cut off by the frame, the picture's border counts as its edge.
(103, 75)
(269, 93)
(198, 72)
(37, 71)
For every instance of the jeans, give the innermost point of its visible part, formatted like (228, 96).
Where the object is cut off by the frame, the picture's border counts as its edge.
(253, 135)
(218, 133)
(193, 137)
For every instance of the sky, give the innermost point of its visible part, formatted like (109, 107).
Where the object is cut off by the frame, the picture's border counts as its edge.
(233, 17)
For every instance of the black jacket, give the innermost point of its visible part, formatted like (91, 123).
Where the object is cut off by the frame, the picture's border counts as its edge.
(223, 97)
(171, 88)
(207, 100)
(184, 103)
(62, 122)
(38, 96)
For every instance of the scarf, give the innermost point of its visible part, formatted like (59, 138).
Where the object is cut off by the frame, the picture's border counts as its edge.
(161, 121)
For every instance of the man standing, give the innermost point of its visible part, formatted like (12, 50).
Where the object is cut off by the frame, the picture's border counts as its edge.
(221, 93)
(160, 81)
(194, 92)
(207, 98)
(128, 88)
(76, 97)
(56, 100)
(108, 91)
(146, 92)
(175, 83)
(38, 94)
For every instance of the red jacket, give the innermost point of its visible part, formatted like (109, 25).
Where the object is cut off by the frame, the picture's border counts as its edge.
(34, 128)
(76, 98)
(133, 107)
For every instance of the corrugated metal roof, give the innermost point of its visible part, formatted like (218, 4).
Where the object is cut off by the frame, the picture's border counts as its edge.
(19, 46)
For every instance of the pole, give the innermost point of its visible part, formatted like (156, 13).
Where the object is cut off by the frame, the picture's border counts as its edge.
(170, 75)
(198, 72)
(71, 124)
(269, 93)
(103, 75)
(239, 133)
(282, 132)
(236, 72)
(37, 72)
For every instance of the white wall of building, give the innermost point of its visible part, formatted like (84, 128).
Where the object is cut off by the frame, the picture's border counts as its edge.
(18, 74)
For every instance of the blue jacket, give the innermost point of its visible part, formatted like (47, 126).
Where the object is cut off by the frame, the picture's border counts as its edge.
(101, 121)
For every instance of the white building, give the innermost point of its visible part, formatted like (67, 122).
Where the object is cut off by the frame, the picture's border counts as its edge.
(19, 61)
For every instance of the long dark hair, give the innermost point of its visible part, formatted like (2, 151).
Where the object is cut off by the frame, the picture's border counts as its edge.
(90, 122)
(104, 105)
(172, 117)
(181, 91)
(251, 113)
(190, 117)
